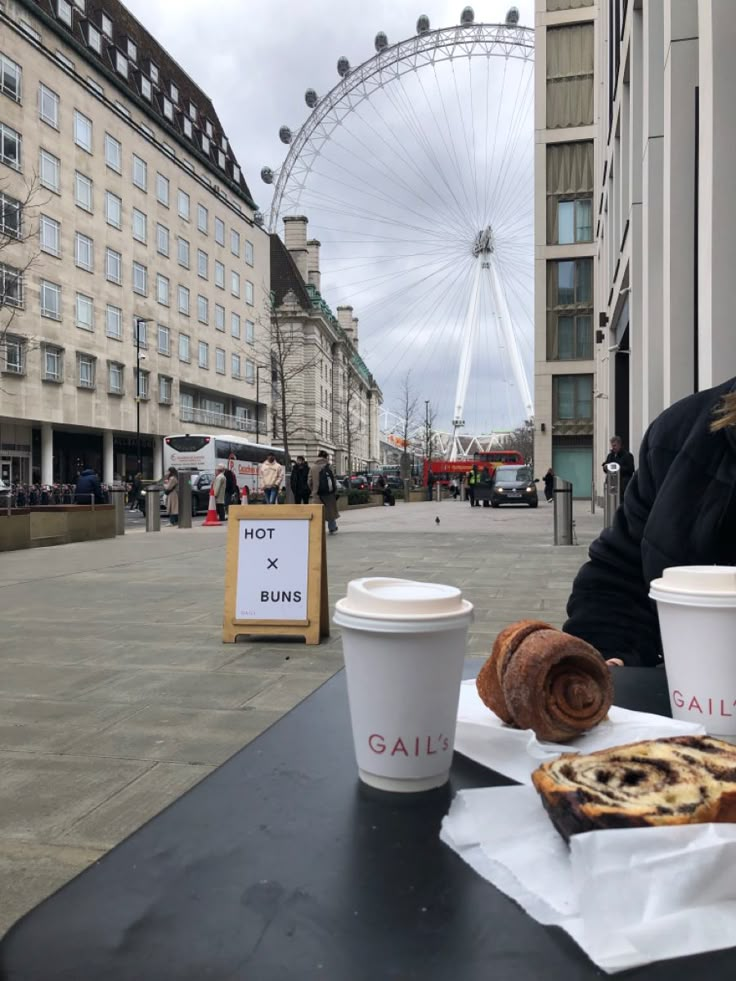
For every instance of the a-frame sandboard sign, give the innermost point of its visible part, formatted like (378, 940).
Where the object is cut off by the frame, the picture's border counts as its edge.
(276, 572)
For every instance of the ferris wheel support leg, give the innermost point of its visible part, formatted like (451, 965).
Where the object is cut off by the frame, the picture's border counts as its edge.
(504, 316)
(470, 330)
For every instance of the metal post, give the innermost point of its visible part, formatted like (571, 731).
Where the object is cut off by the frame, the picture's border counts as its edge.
(611, 493)
(138, 394)
(184, 488)
(118, 499)
(592, 497)
(563, 511)
(153, 508)
(407, 490)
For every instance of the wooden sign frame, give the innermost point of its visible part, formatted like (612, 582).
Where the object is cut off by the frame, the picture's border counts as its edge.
(317, 624)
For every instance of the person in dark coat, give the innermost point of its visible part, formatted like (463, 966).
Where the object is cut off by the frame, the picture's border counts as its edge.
(624, 459)
(549, 485)
(329, 500)
(300, 481)
(232, 494)
(88, 487)
(679, 509)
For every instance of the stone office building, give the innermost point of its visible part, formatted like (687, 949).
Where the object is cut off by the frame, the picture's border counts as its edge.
(133, 276)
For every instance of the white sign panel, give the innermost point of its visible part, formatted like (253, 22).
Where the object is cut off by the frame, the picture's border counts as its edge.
(273, 570)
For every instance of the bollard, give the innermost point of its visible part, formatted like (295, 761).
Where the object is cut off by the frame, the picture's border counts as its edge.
(611, 493)
(438, 485)
(563, 512)
(153, 508)
(407, 490)
(118, 499)
(185, 499)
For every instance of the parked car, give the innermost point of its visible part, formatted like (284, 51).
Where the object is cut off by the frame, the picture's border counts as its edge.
(514, 485)
(358, 481)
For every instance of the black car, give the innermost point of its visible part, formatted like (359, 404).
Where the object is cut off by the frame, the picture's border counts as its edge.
(514, 485)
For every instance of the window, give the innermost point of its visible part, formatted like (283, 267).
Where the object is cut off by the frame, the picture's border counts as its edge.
(48, 105)
(235, 365)
(140, 233)
(235, 242)
(575, 221)
(204, 355)
(205, 143)
(209, 131)
(162, 289)
(248, 252)
(168, 109)
(182, 248)
(106, 25)
(114, 322)
(121, 64)
(115, 378)
(569, 193)
(201, 264)
(140, 173)
(83, 191)
(219, 231)
(570, 92)
(183, 204)
(187, 124)
(162, 239)
(193, 112)
(53, 363)
(113, 153)
(219, 275)
(142, 385)
(113, 209)
(82, 131)
(85, 306)
(146, 88)
(113, 266)
(84, 252)
(219, 361)
(86, 371)
(183, 300)
(10, 78)
(203, 310)
(153, 72)
(10, 144)
(250, 332)
(140, 336)
(202, 216)
(50, 235)
(173, 92)
(221, 159)
(250, 371)
(50, 296)
(572, 398)
(162, 190)
(15, 355)
(165, 388)
(249, 292)
(64, 10)
(235, 325)
(94, 38)
(140, 279)
(184, 347)
(132, 49)
(163, 340)
(219, 317)
(11, 214)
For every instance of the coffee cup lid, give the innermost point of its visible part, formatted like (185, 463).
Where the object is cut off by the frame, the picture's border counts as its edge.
(696, 580)
(402, 599)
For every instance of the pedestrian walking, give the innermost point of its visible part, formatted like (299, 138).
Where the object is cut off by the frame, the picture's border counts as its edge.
(88, 489)
(272, 478)
(323, 488)
(549, 483)
(171, 490)
(486, 479)
(473, 481)
(624, 459)
(232, 493)
(219, 489)
(300, 481)
(134, 497)
(454, 488)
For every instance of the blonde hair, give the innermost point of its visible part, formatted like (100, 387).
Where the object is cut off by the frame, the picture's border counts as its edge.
(725, 413)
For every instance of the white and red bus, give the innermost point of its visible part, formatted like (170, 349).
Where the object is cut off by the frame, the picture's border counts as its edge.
(204, 452)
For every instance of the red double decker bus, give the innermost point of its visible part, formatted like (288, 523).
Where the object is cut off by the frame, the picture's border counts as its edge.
(445, 470)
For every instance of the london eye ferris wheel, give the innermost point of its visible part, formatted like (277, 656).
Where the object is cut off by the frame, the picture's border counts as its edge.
(416, 174)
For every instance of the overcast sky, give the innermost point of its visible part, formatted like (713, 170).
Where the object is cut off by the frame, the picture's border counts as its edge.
(255, 61)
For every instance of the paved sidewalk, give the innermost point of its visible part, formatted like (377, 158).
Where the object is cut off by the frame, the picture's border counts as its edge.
(117, 695)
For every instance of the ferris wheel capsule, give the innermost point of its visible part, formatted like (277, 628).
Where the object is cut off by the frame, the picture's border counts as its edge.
(381, 41)
(512, 16)
(311, 98)
(285, 134)
(343, 66)
(266, 175)
(423, 24)
(467, 16)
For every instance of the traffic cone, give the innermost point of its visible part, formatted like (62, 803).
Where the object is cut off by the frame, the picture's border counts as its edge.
(212, 518)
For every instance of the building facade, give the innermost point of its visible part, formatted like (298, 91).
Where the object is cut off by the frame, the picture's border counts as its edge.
(131, 264)
(666, 221)
(566, 155)
(331, 400)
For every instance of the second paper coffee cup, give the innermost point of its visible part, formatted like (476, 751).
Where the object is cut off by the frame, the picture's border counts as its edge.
(404, 643)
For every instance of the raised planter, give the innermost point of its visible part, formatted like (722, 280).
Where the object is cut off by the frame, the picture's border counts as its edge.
(60, 524)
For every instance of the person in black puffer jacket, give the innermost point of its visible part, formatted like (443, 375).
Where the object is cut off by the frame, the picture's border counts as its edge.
(679, 509)
(88, 486)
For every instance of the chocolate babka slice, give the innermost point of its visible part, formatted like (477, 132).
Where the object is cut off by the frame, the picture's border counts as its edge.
(681, 780)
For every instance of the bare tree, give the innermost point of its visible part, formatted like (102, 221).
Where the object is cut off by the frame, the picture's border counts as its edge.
(430, 417)
(522, 439)
(19, 250)
(407, 413)
(348, 415)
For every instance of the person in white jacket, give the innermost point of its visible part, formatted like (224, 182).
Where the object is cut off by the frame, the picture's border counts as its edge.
(272, 478)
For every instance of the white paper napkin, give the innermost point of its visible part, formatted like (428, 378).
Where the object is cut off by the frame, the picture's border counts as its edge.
(481, 736)
(627, 897)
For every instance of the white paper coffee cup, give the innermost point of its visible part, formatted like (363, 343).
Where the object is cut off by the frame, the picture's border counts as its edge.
(404, 644)
(696, 606)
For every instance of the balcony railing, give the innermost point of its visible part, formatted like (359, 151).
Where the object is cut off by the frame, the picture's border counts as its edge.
(217, 420)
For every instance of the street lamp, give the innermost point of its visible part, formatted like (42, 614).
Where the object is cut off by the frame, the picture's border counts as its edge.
(139, 321)
(259, 368)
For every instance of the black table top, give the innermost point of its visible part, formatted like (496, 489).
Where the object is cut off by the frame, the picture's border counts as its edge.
(281, 866)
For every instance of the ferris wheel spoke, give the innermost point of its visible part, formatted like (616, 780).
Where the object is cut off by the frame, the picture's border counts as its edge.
(512, 136)
(470, 154)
